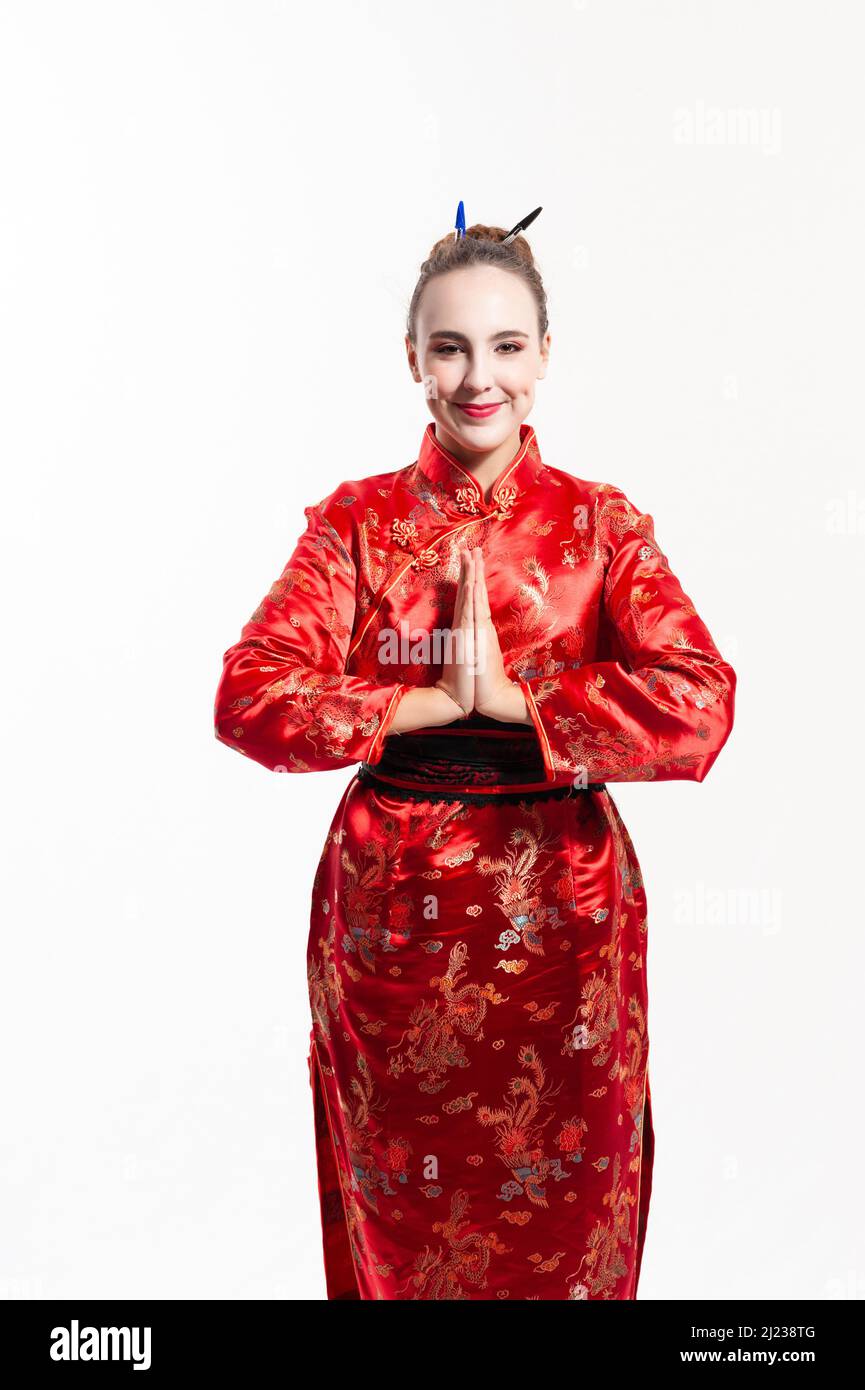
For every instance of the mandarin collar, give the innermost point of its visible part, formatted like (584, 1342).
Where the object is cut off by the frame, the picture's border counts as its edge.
(440, 466)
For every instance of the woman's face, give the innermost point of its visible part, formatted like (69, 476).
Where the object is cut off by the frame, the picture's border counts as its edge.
(477, 345)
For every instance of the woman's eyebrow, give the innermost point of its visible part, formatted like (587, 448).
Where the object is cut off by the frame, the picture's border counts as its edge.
(452, 333)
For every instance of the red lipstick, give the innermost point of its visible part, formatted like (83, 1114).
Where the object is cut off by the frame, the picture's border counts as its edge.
(479, 412)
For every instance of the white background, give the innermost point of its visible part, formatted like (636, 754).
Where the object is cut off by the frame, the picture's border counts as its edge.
(213, 216)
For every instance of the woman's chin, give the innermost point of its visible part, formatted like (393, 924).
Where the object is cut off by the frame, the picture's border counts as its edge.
(478, 431)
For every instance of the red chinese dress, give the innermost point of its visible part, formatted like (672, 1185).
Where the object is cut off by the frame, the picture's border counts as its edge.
(477, 947)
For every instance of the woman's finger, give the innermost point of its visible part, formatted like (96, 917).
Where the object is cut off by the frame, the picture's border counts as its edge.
(466, 585)
(481, 597)
(470, 590)
(463, 608)
(459, 596)
(468, 627)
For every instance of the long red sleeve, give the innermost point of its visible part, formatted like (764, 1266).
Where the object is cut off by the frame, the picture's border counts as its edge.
(284, 698)
(662, 706)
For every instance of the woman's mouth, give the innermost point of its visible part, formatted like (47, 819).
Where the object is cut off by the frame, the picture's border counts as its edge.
(479, 412)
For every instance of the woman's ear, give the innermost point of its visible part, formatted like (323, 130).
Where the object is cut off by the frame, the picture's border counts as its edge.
(545, 354)
(411, 353)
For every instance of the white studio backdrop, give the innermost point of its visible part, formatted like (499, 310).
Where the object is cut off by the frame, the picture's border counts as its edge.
(211, 221)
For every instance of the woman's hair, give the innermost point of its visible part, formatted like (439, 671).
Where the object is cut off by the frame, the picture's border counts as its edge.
(481, 246)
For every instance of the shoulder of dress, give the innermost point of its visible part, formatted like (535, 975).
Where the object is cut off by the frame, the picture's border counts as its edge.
(567, 491)
(619, 517)
(606, 498)
(605, 510)
(356, 494)
(356, 503)
(572, 483)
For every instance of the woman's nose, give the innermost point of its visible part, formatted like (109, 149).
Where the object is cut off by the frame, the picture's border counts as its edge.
(479, 374)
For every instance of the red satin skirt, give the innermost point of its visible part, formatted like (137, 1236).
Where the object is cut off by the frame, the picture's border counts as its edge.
(479, 1046)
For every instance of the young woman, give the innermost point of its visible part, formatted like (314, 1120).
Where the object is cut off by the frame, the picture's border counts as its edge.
(493, 641)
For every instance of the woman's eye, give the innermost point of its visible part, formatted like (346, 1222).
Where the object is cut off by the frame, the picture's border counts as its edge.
(448, 349)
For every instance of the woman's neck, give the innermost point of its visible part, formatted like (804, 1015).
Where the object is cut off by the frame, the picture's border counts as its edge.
(485, 467)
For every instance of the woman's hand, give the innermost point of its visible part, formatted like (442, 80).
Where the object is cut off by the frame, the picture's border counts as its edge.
(473, 676)
(495, 694)
(457, 679)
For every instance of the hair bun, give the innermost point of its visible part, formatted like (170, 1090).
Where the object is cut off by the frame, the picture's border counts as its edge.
(481, 232)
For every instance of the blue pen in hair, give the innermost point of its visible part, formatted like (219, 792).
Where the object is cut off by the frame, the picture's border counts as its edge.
(460, 223)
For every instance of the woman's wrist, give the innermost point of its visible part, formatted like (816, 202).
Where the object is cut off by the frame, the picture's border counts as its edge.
(522, 714)
(424, 706)
(508, 705)
(462, 712)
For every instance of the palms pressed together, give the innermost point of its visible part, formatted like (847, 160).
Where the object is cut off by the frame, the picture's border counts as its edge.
(473, 674)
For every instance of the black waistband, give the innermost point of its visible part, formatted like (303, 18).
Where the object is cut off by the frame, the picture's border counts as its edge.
(466, 764)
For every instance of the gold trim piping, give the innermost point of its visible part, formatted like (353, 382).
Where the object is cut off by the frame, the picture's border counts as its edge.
(518, 459)
(413, 560)
(539, 726)
(449, 458)
(382, 728)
